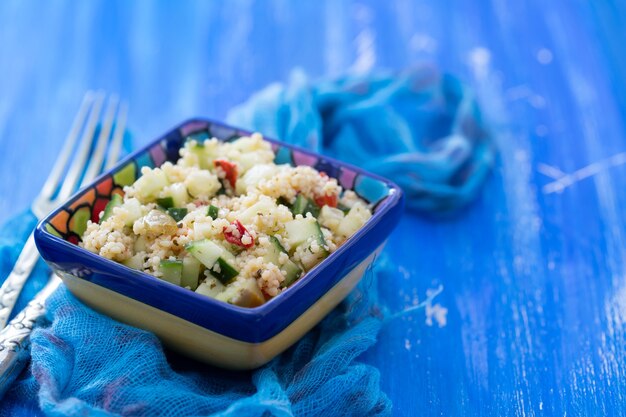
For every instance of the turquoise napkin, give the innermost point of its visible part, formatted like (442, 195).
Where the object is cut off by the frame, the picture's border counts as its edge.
(420, 128)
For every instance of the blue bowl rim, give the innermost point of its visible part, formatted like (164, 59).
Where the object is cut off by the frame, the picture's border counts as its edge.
(255, 314)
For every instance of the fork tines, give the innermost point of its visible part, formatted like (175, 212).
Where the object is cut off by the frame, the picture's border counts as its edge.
(80, 160)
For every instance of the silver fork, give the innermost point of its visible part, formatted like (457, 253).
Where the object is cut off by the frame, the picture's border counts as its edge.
(14, 338)
(86, 121)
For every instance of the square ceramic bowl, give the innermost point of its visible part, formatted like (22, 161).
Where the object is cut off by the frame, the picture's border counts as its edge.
(198, 326)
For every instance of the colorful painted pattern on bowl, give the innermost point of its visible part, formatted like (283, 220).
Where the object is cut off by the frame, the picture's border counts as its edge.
(70, 222)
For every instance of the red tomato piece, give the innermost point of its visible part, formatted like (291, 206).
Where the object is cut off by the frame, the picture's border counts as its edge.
(229, 168)
(326, 200)
(241, 235)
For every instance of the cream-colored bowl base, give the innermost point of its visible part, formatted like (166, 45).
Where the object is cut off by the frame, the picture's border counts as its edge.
(206, 345)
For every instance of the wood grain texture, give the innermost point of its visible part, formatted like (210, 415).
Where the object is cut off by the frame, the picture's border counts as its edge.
(533, 274)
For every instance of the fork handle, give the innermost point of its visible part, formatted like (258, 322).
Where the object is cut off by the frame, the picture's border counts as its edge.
(15, 338)
(12, 286)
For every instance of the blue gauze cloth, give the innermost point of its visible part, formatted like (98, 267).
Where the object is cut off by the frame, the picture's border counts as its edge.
(420, 128)
(406, 127)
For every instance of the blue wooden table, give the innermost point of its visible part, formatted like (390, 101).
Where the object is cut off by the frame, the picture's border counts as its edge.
(533, 275)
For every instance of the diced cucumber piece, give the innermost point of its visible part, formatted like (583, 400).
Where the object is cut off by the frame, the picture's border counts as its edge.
(223, 271)
(202, 229)
(205, 153)
(149, 185)
(177, 213)
(212, 212)
(116, 201)
(227, 254)
(312, 208)
(292, 273)
(135, 262)
(313, 254)
(265, 206)
(133, 209)
(191, 272)
(354, 220)
(302, 230)
(343, 208)
(211, 287)
(202, 183)
(205, 251)
(330, 217)
(198, 150)
(171, 271)
(254, 176)
(299, 205)
(303, 205)
(178, 192)
(165, 202)
(275, 249)
(217, 259)
(307, 232)
(292, 270)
